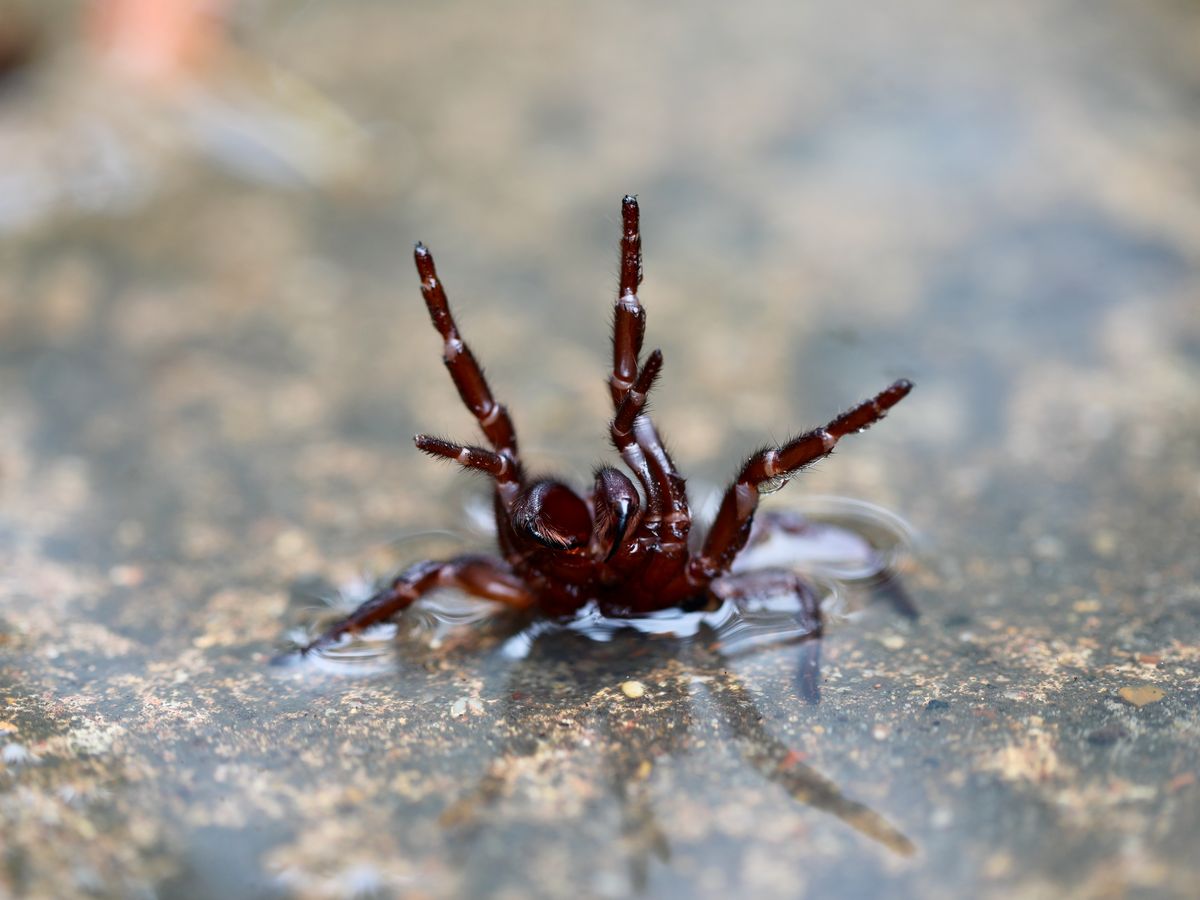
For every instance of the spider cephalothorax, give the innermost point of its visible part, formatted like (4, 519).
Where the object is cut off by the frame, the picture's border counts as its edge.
(625, 549)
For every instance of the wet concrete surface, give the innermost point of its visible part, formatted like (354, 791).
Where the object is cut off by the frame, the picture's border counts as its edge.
(207, 397)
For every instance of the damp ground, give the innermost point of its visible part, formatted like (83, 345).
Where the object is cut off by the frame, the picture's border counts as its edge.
(213, 356)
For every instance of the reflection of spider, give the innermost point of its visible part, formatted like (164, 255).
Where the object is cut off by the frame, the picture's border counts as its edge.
(561, 702)
(627, 552)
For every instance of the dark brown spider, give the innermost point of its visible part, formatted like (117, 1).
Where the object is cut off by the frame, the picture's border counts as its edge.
(626, 551)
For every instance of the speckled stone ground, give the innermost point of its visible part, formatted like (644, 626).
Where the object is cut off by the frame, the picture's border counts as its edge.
(207, 394)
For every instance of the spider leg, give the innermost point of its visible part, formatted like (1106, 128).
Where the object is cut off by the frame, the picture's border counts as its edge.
(731, 528)
(671, 486)
(744, 588)
(621, 430)
(464, 370)
(629, 317)
(629, 329)
(498, 465)
(480, 576)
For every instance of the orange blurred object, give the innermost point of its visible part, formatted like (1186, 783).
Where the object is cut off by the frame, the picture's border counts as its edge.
(157, 40)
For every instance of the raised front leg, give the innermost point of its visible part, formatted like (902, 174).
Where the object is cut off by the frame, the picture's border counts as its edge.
(629, 318)
(468, 376)
(621, 431)
(731, 528)
(629, 328)
(481, 576)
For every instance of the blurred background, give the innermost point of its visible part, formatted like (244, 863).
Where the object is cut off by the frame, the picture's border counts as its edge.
(213, 356)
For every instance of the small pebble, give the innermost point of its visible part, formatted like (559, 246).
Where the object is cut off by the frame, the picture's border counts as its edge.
(633, 689)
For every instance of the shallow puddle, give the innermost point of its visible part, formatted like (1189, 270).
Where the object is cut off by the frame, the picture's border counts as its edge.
(213, 356)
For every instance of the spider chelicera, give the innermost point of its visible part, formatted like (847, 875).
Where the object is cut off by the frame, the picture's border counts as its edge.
(627, 551)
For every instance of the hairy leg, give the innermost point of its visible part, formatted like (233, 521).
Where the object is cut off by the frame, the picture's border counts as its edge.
(621, 430)
(464, 370)
(481, 576)
(731, 528)
(629, 318)
(500, 466)
(671, 483)
(629, 329)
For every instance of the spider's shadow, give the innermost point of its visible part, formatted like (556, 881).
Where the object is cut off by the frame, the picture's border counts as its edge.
(632, 696)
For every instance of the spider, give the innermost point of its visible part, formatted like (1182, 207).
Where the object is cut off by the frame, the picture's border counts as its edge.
(627, 551)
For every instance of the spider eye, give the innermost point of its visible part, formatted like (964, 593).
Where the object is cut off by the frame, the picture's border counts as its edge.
(553, 515)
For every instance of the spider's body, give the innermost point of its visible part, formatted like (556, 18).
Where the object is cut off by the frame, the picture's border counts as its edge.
(622, 546)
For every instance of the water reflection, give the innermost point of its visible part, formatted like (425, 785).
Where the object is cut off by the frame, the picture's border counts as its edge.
(643, 699)
(833, 542)
(633, 687)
